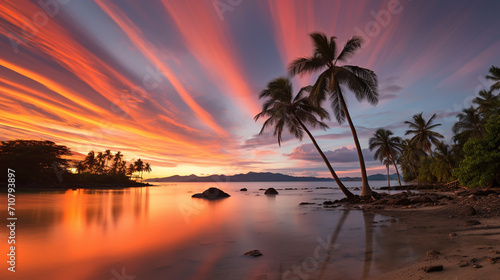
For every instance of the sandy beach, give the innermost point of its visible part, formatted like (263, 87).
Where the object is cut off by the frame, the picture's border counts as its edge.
(472, 249)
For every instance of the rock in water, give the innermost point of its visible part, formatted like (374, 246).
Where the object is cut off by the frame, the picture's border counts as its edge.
(243, 190)
(271, 191)
(253, 253)
(211, 193)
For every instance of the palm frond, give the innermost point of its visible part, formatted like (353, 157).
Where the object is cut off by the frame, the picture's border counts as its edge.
(350, 48)
(304, 65)
(321, 46)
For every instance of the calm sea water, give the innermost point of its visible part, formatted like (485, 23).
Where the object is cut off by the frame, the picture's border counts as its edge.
(161, 232)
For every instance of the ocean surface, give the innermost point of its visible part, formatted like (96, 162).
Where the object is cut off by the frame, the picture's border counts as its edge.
(160, 232)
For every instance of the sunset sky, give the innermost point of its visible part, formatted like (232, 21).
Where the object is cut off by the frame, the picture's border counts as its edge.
(176, 82)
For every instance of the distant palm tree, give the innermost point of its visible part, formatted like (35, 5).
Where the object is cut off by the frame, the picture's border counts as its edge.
(147, 167)
(487, 102)
(494, 76)
(90, 161)
(100, 159)
(139, 167)
(387, 147)
(107, 157)
(117, 159)
(469, 124)
(423, 137)
(283, 111)
(80, 167)
(122, 169)
(361, 81)
(130, 170)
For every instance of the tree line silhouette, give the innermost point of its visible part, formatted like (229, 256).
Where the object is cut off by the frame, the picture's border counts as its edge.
(105, 162)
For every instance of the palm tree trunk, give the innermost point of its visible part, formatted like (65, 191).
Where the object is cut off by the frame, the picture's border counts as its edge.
(396, 167)
(365, 189)
(388, 178)
(346, 192)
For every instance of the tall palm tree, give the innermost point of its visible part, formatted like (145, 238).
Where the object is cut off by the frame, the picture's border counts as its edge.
(469, 124)
(423, 137)
(387, 147)
(494, 75)
(283, 111)
(487, 102)
(360, 81)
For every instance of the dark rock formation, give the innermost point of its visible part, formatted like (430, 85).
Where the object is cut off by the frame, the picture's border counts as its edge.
(253, 253)
(271, 191)
(211, 193)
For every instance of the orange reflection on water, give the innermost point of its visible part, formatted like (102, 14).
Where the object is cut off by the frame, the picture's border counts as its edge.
(81, 230)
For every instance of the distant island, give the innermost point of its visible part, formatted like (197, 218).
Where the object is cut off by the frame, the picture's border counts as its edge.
(260, 177)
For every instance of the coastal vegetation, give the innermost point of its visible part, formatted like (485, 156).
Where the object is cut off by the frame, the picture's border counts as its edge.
(472, 156)
(45, 162)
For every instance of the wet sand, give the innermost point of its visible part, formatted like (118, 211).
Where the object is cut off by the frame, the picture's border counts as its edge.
(468, 247)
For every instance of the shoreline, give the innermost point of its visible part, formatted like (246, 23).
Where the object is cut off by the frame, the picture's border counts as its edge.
(62, 186)
(468, 223)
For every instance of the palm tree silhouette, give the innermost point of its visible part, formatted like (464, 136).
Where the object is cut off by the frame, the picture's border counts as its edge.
(361, 81)
(282, 110)
(117, 159)
(423, 137)
(147, 167)
(487, 102)
(469, 124)
(386, 148)
(494, 76)
(139, 167)
(90, 161)
(107, 157)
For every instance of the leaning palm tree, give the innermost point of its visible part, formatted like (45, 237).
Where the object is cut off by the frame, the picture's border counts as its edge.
(283, 111)
(387, 147)
(423, 137)
(360, 81)
(469, 124)
(494, 75)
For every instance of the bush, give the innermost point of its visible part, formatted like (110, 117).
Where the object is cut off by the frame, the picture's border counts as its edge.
(481, 165)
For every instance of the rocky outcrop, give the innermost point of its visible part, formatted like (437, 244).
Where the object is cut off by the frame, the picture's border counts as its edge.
(271, 191)
(211, 193)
